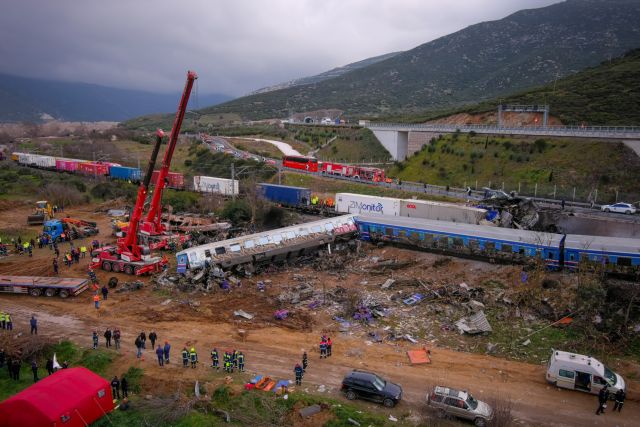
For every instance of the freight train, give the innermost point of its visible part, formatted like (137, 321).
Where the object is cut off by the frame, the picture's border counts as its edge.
(613, 255)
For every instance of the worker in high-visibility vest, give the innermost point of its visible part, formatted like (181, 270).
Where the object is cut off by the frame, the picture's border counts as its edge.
(314, 199)
(83, 251)
(96, 301)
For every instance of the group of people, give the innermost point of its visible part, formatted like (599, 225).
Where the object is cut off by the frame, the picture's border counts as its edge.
(230, 360)
(14, 364)
(603, 398)
(5, 321)
(325, 346)
(118, 385)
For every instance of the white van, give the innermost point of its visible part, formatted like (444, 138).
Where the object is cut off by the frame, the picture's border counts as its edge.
(584, 373)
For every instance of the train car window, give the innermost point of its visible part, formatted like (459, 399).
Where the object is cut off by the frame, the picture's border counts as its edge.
(316, 229)
(290, 235)
(249, 244)
(220, 250)
(402, 233)
(457, 241)
(276, 238)
(234, 248)
(584, 256)
(490, 246)
(304, 232)
(506, 248)
(624, 261)
(328, 226)
(474, 244)
(550, 255)
(521, 251)
(388, 231)
(572, 256)
(263, 241)
(207, 253)
(193, 257)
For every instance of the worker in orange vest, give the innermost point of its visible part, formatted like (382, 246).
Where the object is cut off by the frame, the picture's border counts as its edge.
(96, 301)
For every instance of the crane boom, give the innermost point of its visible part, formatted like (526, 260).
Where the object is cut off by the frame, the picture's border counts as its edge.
(153, 218)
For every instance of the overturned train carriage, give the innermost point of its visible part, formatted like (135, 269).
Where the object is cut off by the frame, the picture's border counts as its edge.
(572, 252)
(269, 246)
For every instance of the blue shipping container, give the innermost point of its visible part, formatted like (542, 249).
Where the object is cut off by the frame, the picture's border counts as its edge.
(125, 173)
(283, 194)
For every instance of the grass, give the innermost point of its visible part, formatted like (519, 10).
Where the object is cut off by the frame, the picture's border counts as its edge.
(522, 163)
(260, 148)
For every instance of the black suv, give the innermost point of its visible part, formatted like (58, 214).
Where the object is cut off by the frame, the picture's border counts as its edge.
(369, 386)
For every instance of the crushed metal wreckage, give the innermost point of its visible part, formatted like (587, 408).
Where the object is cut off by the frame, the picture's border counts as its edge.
(509, 210)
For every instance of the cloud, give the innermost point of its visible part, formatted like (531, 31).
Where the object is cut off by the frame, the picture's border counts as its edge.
(235, 47)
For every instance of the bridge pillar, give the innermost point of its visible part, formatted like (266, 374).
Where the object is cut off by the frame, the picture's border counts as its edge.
(396, 142)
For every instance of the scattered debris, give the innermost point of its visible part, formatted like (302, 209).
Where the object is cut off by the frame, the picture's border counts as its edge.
(527, 342)
(281, 314)
(309, 411)
(491, 348)
(354, 422)
(392, 418)
(477, 323)
(418, 357)
(410, 339)
(242, 313)
(413, 299)
(388, 284)
(166, 302)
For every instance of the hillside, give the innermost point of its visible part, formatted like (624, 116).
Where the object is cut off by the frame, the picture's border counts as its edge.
(25, 99)
(483, 61)
(603, 95)
(523, 163)
(335, 72)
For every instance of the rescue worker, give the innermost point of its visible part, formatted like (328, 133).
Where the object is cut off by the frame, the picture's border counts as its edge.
(305, 361)
(153, 337)
(228, 367)
(621, 395)
(215, 361)
(185, 357)
(107, 336)
(329, 344)
(34, 369)
(115, 387)
(8, 321)
(95, 340)
(603, 397)
(83, 251)
(105, 292)
(160, 354)
(298, 371)
(96, 301)
(3, 320)
(2, 356)
(143, 338)
(55, 266)
(166, 350)
(116, 338)
(234, 358)
(193, 356)
(124, 385)
(241, 362)
(138, 344)
(323, 348)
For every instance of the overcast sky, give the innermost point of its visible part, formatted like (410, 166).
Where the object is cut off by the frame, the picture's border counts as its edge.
(236, 46)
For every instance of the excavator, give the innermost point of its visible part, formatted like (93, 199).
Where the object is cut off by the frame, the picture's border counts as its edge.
(130, 255)
(42, 213)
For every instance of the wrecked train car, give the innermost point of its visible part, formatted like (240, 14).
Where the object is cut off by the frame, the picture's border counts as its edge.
(269, 246)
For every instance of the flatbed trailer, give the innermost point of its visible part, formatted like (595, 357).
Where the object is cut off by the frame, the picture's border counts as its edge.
(36, 286)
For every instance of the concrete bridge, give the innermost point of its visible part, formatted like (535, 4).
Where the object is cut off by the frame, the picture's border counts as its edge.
(395, 136)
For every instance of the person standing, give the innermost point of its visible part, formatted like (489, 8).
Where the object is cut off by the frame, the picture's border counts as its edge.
(34, 325)
(298, 372)
(96, 301)
(115, 387)
(9, 322)
(215, 359)
(124, 385)
(138, 343)
(193, 356)
(329, 344)
(185, 357)
(116, 338)
(34, 369)
(153, 337)
(49, 366)
(3, 320)
(323, 348)
(107, 336)
(143, 339)
(603, 396)
(166, 350)
(105, 292)
(95, 339)
(620, 397)
(160, 354)
(2, 357)
(83, 251)
(55, 266)
(241, 362)
(305, 361)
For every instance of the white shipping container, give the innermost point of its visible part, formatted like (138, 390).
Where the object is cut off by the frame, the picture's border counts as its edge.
(441, 211)
(23, 158)
(369, 205)
(46, 162)
(210, 184)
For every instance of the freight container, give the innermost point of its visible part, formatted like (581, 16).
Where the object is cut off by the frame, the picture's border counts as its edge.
(210, 184)
(125, 173)
(441, 211)
(43, 162)
(370, 205)
(175, 180)
(70, 165)
(93, 168)
(285, 195)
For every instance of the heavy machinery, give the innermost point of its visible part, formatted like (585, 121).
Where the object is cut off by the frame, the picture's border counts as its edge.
(75, 228)
(42, 213)
(131, 255)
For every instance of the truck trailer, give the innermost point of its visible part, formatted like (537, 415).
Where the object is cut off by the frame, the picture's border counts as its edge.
(211, 184)
(36, 286)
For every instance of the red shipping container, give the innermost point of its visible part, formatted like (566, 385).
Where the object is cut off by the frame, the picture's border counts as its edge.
(71, 165)
(174, 180)
(91, 168)
(60, 165)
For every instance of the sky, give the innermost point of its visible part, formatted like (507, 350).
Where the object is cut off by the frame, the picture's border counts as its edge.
(235, 46)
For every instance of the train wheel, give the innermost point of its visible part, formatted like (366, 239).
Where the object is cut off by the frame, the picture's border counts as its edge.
(49, 292)
(64, 293)
(35, 292)
(128, 269)
(106, 266)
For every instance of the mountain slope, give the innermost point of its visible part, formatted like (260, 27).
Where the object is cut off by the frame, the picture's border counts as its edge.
(525, 49)
(25, 99)
(336, 72)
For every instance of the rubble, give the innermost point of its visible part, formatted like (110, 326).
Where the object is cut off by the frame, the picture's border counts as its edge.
(477, 323)
(244, 314)
(309, 411)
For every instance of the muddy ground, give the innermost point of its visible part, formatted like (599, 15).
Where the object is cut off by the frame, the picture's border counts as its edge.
(206, 319)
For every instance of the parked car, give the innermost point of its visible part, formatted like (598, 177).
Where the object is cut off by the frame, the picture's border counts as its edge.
(369, 386)
(584, 373)
(625, 208)
(461, 404)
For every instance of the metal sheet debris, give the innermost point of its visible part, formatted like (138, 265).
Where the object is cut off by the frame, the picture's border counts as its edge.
(242, 313)
(475, 324)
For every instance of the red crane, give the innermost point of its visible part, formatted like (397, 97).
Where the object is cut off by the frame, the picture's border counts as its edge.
(152, 224)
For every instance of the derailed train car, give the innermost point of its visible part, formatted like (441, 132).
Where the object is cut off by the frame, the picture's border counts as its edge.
(269, 246)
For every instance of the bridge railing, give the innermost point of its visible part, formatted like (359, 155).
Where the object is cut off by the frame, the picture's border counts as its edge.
(553, 128)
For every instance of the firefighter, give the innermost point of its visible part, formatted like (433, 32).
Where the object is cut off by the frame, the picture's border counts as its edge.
(241, 362)
(234, 358)
(323, 348)
(55, 266)
(298, 371)
(215, 360)
(185, 357)
(194, 357)
(115, 387)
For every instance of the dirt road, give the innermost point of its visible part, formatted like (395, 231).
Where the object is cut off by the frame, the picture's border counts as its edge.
(204, 320)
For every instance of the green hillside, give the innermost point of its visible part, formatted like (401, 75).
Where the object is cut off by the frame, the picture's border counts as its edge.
(608, 94)
(524, 163)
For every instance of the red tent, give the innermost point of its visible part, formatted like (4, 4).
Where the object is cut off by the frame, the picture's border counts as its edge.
(69, 398)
